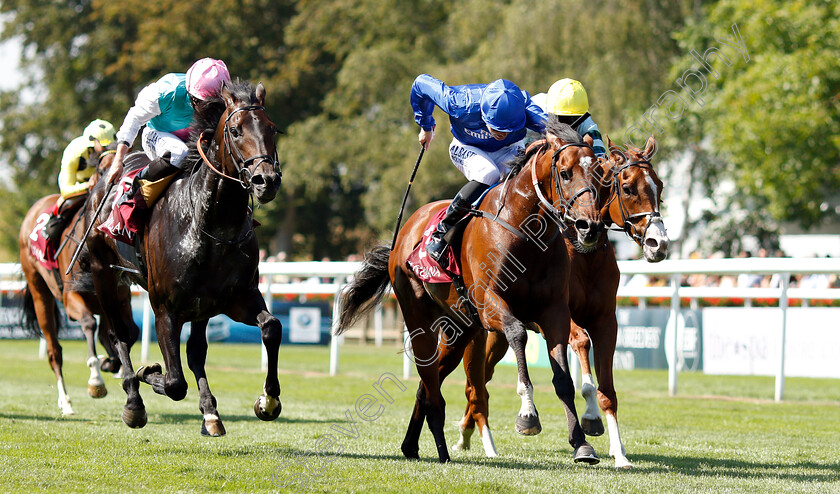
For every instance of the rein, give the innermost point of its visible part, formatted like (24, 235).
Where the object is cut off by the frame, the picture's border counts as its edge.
(562, 216)
(627, 225)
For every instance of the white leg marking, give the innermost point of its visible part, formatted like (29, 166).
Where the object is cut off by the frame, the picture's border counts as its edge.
(465, 434)
(616, 446)
(64, 400)
(95, 376)
(590, 393)
(210, 416)
(489, 445)
(526, 393)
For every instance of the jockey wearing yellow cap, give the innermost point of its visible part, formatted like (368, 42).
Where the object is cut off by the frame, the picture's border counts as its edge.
(568, 100)
(75, 174)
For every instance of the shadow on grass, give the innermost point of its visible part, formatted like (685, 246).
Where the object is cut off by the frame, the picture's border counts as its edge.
(175, 418)
(734, 468)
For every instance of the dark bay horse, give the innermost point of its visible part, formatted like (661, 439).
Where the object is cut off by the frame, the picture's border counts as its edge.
(630, 198)
(200, 252)
(43, 290)
(515, 281)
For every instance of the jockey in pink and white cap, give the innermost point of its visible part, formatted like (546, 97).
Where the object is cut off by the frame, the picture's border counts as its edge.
(165, 107)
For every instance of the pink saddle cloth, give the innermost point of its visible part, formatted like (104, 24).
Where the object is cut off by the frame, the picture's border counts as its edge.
(422, 264)
(126, 218)
(39, 247)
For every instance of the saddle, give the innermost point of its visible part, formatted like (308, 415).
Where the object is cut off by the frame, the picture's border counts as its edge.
(128, 214)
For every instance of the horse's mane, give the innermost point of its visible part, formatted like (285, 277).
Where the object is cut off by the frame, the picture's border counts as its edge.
(208, 112)
(553, 126)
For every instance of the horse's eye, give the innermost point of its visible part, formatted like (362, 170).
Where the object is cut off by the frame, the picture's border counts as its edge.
(234, 131)
(627, 190)
(564, 175)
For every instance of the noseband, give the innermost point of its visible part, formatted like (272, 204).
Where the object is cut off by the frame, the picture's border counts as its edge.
(562, 216)
(241, 164)
(627, 219)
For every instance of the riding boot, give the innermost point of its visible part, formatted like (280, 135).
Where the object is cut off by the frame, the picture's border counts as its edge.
(459, 205)
(57, 223)
(157, 169)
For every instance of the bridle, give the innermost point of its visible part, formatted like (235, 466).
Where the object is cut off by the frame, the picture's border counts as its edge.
(628, 226)
(564, 215)
(240, 163)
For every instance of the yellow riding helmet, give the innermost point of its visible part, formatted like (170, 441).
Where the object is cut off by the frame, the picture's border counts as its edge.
(100, 130)
(567, 97)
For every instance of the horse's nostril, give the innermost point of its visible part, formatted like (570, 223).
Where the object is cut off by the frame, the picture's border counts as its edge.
(258, 180)
(582, 225)
(652, 243)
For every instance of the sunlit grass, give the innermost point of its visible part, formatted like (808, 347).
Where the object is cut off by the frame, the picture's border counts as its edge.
(721, 434)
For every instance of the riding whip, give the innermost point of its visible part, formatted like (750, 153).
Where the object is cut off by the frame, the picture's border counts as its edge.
(72, 227)
(90, 226)
(405, 198)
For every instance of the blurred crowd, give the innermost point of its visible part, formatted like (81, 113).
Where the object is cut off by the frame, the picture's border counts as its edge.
(812, 281)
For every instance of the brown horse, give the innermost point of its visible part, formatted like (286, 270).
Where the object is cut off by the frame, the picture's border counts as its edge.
(44, 287)
(199, 254)
(516, 271)
(630, 197)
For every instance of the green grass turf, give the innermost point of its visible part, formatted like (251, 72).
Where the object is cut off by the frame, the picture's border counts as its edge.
(721, 434)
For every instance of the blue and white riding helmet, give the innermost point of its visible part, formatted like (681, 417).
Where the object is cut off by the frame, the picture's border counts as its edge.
(503, 106)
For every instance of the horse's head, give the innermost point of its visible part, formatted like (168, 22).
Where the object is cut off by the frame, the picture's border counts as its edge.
(567, 167)
(635, 195)
(247, 136)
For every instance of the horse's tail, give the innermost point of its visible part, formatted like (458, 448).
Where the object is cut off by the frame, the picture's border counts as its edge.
(28, 317)
(367, 288)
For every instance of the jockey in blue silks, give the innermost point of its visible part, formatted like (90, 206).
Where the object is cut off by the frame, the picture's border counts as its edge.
(488, 122)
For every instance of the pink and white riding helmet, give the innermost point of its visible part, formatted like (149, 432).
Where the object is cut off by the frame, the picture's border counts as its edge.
(205, 78)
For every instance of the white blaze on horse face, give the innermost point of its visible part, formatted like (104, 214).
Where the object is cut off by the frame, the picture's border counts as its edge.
(586, 162)
(616, 446)
(526, 393)
(589, 393)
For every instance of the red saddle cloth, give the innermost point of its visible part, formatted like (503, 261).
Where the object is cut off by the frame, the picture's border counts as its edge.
(39, 247)
(126, 218)
(422, 264)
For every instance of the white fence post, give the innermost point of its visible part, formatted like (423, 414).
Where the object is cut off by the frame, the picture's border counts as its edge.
(377, 324)
(146, 332)
(42, 348)
(334, 339)
(783, 304)
(675, 317)
(269, 302)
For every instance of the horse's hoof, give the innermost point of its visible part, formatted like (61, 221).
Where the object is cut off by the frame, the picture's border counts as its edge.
(528, 425)
(109, 365)
(136, 419)
(97, 390)
(592, 427)
(586, 454)
(411, 454)
(621, 462)
(267, 408)
(144, 372)
(212, 428)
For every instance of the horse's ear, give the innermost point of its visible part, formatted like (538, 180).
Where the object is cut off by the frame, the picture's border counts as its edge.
(588, 140)
(260, 94)
(226, 95)
(650, 148)
(617, 155)
(98, 147)
(553, 140)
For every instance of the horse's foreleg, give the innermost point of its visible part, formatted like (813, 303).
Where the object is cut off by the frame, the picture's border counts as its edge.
(251, 309)
(479, 366)
(211, 424)
(556, 333)
(96, 386)
(172, 384)
(607, 397)
(528, 419)
(44, 302)
(590, 421)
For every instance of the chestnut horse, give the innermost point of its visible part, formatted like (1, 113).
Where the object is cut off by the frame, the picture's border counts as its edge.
(200, 252)
(43, 290)
(516, 281)
(630, 197)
